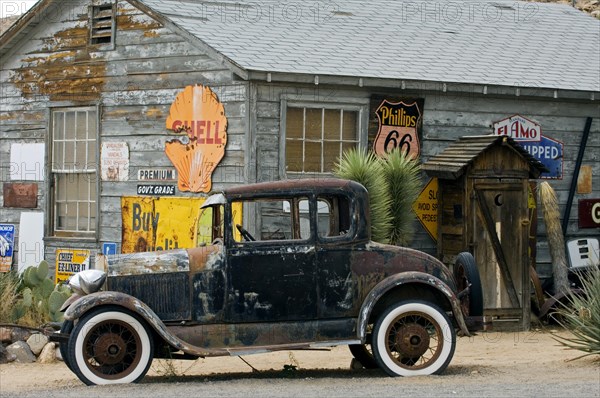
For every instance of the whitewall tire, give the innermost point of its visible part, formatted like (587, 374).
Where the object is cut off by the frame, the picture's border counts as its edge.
(413, 338)
(110, 346)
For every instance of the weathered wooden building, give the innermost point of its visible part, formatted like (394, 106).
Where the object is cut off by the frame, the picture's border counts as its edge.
(91, 90)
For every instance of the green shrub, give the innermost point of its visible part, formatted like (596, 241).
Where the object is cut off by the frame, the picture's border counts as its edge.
(367, 169)
(404, 184)
(581, 315)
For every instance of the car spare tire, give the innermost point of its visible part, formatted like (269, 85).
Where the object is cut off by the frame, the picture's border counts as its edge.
(466, 275)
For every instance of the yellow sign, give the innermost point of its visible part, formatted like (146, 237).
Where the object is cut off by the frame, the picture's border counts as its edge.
(198, 113)
(151, 224)
(69, 262)
(426, 208)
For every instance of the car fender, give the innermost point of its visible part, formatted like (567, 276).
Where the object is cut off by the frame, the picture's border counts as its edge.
(85, 303)
(405, 278)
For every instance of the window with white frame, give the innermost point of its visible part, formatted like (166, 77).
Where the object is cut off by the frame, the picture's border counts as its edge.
(316, 137)
(74, 148)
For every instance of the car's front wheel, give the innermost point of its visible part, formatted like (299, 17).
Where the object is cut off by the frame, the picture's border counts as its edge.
(110, 346)
(413, 338)
(67, 328)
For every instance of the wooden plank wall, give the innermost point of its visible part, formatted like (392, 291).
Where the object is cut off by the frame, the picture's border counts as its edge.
(135, 85)
(137, 81)
(446, 117)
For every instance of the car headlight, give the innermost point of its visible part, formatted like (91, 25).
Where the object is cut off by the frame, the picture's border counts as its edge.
(87, 282)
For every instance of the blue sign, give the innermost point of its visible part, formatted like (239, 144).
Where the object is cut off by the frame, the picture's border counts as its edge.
(109, 248)
(7, 243)
(550, 153)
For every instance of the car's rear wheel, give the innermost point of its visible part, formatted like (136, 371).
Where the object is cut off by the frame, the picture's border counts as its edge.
(413, 338)
(110, 346)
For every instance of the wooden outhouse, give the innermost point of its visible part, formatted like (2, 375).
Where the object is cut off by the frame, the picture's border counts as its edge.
(483, 208)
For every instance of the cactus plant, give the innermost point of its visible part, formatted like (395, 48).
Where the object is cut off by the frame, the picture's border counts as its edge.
(39, 300)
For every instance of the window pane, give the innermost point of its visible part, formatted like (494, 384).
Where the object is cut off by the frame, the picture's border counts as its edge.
(80, 155)
(346, 146)
(70, 126)
(69, 155)
(57, 155)
(91, 155)
(349, 128)
(294, 119)
(323, 218)
(81, 125)
(312, 157)
(58, 126)
(61, 214)
(331, 154)
(332, 124)
(313, 123)
(293, 155)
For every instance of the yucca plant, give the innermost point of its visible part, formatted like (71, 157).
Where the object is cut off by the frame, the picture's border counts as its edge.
(404, 183)
(581, 315)
(367, 169)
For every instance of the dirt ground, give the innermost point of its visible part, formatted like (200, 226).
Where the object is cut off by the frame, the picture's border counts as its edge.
(492, 357)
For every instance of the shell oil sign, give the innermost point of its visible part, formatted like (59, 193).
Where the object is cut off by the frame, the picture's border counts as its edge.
(200, 116)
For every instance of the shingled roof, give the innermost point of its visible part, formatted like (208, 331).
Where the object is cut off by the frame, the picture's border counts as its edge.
(452, 162)
(499, 42)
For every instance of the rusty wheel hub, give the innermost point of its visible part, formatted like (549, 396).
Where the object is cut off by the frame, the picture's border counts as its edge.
(110, 348)
(412, 341)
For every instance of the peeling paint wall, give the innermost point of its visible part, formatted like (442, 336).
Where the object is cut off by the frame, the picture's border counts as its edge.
(134, 84)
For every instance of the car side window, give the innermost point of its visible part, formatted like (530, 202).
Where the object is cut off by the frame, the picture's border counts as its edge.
(277, 219)
(333, 216)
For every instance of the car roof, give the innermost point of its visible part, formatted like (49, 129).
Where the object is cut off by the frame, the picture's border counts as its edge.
(297, 186)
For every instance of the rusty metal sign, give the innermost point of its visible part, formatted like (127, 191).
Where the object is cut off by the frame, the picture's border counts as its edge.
(151, 223)
(69, 262)
(22, 195)
(197, 113)
(398, 128)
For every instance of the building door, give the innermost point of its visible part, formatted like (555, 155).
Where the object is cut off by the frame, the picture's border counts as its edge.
(500, 233)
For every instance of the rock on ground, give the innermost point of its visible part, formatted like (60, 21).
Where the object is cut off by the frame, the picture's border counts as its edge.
(22, 352)
(37, 342)
(48, 354)
(5, 356)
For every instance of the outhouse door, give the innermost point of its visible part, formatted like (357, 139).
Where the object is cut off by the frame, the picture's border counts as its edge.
(500, 236)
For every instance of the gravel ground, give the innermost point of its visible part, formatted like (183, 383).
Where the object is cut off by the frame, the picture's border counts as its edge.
(488, 365)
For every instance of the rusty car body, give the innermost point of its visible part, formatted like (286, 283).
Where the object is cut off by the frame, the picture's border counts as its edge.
(304, 274)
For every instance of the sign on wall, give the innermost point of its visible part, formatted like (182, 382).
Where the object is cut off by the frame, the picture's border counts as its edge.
(529, 135)
(589, 213)
(396, 123)
(69, 262)
(200, 116)
(114, 161)
(165, 223)
(426, 208)
(23, 195)
(7, 245)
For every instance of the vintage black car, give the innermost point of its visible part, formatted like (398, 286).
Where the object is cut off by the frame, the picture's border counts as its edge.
(302, 274)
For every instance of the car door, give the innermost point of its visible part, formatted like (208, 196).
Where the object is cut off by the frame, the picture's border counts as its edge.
(272, 279)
